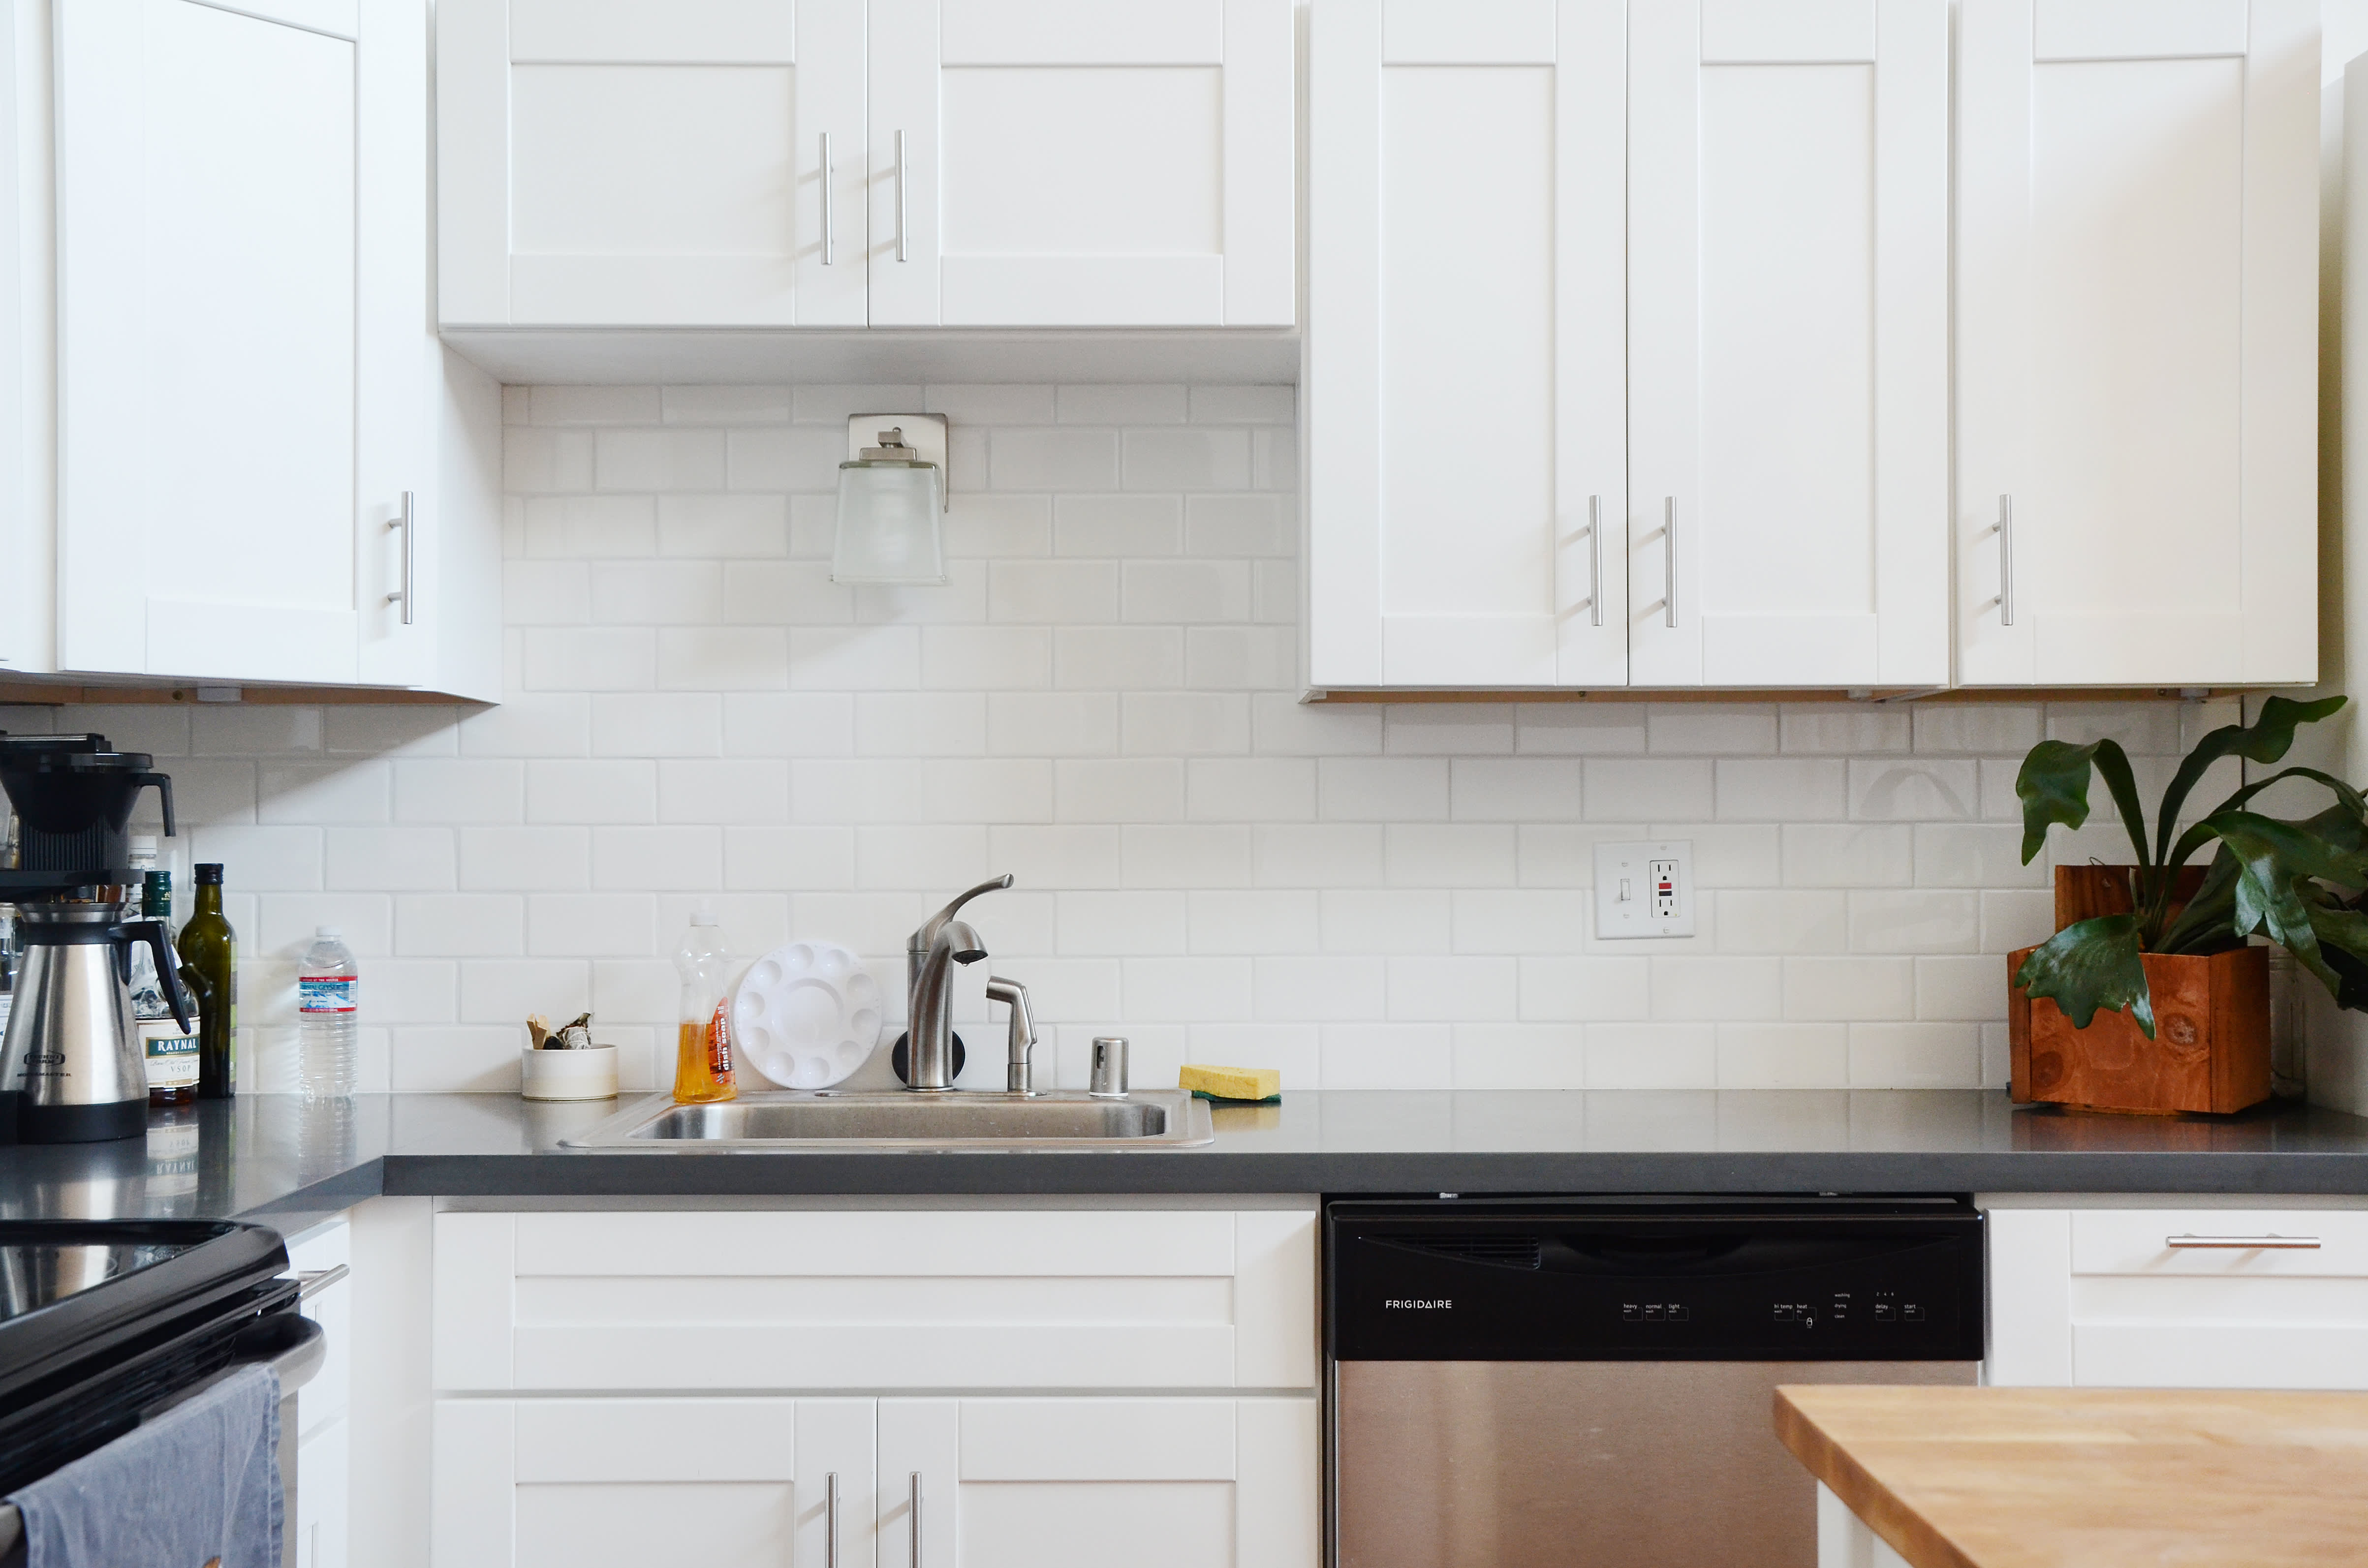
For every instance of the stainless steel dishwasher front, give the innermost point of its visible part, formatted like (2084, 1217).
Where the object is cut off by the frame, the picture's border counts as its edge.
(1591, 1381)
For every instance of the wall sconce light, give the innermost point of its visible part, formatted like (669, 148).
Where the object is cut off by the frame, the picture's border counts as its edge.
(891, 500)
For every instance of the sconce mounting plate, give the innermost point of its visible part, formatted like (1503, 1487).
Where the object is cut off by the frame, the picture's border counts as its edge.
(924, 433)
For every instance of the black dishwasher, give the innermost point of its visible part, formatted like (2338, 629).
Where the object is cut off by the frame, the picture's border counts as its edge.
(1522, 1382)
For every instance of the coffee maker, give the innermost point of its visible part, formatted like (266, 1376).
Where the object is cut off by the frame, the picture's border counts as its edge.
(72, 1069)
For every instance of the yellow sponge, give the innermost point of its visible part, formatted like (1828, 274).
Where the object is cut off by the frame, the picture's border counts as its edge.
(1232, 1082)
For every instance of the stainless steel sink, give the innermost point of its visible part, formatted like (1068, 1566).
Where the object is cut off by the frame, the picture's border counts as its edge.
(901, 1119)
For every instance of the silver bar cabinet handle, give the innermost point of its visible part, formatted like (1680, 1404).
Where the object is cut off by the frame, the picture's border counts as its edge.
(404, 595)
(2006, 560)
(830, 1520)
(828, 249)
(2246, 1244)
(900, 196)
(917, 1511)
(1669, 560)
(312, 1283)
(1594, 552)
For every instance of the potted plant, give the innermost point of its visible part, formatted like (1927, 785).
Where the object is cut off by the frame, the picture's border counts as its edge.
(2150, 996)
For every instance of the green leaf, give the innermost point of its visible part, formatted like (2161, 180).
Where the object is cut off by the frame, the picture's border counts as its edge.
(2264, 741)
(2345, 824)
(2091, 964)
(2053, 787)
(2343, 932)
(2207, 923)
(2272, 858)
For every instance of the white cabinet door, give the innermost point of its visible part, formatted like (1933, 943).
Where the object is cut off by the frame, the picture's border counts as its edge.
(1046, 163)
(20, 459)
(2136, 331)
(724, 1482)
(1081, 1483)
(217, 184)
(1788, 342)
(1466, 406)
(651, 163)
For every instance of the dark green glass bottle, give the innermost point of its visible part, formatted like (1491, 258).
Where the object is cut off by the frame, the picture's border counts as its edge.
(211, 948)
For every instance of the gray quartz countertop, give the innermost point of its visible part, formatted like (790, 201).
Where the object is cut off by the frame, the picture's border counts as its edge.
(274, 1158)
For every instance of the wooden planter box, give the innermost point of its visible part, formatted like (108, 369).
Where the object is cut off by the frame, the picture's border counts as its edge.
(2211, 1050)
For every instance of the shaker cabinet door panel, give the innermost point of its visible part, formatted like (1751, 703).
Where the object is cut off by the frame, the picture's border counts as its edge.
(1466, 410)
(1164, 1483)
(2136, 299)
(1788, 343)
(652, 164)
(207, 314)
(1039, 165)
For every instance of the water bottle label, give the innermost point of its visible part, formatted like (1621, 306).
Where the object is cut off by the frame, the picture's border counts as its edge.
(325, 994)
(172, 1055)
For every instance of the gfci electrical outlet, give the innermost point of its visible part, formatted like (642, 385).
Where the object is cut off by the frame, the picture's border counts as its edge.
(1645, 890)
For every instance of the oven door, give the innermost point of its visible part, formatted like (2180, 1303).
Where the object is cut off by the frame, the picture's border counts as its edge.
(1589, 1464)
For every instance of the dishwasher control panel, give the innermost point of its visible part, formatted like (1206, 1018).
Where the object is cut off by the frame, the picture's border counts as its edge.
(1654, 1279)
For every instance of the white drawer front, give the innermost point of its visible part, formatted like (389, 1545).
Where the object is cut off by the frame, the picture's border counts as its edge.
(990, 1300)
(2219, 1356)
(2143, 1241)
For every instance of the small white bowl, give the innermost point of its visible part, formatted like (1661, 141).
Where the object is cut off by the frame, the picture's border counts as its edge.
(568, 1074)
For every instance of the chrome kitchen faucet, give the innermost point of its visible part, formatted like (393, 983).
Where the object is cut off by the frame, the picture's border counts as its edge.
(929, 995)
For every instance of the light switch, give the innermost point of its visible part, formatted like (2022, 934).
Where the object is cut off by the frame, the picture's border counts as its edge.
(1645, 890)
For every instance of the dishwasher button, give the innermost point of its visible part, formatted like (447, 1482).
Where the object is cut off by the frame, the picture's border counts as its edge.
(1676, 1315)
(1629, 1311)
(1783, 1312)
(1912, 1313)
(1885, 1312)
(1654, 1311)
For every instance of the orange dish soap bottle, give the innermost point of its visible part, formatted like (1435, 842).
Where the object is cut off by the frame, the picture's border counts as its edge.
(703, 1065)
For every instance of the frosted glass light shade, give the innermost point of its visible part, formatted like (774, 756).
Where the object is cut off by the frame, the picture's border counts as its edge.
(891, 523)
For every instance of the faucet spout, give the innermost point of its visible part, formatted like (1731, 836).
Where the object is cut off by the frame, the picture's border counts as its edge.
(943, 942)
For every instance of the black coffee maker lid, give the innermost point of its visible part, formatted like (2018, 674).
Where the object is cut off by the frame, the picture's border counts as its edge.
(78, 754)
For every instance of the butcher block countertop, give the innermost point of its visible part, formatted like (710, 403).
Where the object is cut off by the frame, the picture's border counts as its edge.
(2101, 1478)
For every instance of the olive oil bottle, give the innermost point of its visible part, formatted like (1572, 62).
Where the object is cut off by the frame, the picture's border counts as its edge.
(210, 948)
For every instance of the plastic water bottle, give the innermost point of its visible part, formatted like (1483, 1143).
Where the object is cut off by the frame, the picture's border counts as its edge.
(328, 1027)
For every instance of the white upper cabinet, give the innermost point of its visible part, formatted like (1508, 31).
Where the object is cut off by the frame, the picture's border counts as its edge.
(2138, 315)
(257, 433)
(1075, 162)
(1788, 343)
(829, 163)
(1466, 402)
(612, 163)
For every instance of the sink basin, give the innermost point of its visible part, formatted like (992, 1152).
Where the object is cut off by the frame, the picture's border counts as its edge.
(900, 1119)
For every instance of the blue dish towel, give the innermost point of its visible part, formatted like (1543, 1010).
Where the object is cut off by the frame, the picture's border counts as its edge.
(198, 1483)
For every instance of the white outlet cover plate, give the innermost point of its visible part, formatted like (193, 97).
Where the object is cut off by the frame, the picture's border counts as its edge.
(1628, 868)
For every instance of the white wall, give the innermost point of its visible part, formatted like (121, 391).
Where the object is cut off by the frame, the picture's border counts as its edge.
(1102, 702)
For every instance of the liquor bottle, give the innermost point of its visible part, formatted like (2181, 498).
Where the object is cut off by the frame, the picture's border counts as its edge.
(171, 1050)
(210, 947)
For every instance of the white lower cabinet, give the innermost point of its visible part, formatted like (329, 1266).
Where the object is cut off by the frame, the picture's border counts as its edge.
(324, 1478)
(824, 1386)
(2178, 1297)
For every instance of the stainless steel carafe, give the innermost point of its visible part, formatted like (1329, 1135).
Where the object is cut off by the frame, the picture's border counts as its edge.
(72, 1060)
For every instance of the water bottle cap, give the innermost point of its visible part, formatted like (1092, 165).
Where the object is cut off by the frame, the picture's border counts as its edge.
(703, 917)
(143, 843)
(328, 934)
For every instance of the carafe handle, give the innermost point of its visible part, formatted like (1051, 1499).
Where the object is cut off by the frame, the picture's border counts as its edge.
(163, 783)
(152, 933)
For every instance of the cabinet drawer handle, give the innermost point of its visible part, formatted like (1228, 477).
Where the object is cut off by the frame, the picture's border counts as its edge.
(2245, 1243)
(1594, 553)
(1669, 561)
(2006, 560)
(917, 1519)
(830, 1520)
(313, 1281)
(900, 196)
(828, 249)
(404, 595)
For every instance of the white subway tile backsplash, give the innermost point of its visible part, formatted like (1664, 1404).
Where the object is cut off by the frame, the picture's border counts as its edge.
(1132, 527)
(1366, 920)
(1377, 789)
(1104, 700)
